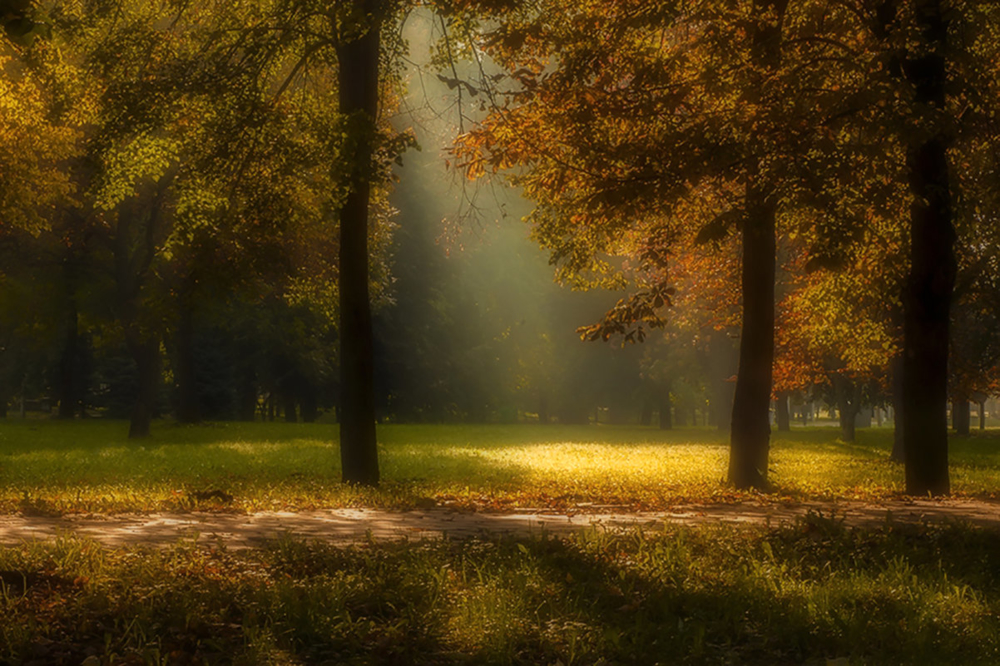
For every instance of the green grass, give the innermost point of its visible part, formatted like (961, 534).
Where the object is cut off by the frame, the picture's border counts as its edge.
(803, 594)
(91, 466)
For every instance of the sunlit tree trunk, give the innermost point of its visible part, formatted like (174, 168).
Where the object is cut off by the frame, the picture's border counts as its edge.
(358, 55)
(928, 292)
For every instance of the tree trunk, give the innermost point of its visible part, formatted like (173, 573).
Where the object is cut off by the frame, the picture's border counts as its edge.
(781, 412)
(749, 441)
(961, 415)
(358, 78)
(188, 410)
(290, 416)
(146, 354)
(928, 292)
(751, 429)
(982, 415)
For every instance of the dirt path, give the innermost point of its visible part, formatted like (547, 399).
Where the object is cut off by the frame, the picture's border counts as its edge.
(345, 526)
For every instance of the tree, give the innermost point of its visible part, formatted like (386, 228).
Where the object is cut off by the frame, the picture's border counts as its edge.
(358, 55)
(632, 123)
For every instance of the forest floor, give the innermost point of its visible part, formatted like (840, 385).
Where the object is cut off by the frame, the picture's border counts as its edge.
(359, 525)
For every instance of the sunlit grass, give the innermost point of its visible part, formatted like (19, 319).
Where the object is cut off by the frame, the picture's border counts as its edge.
(800, 594)
(50, 466)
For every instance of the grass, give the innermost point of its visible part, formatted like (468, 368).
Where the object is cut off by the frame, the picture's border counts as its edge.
(813, 593)
(56, 467)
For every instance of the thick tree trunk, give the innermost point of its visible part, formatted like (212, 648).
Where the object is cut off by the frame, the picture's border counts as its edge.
(927, 297)
(982, 415)
(358, 78)
(146, 354)
(781, 412)
(751, 429)
(961, 415)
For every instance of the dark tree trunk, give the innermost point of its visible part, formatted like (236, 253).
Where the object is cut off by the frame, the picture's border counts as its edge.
(751, 429)
(69, 362)
(289, 404)
(358, 78)
(146, 353)
(646, 416)
(188, 410)
(982, 415)
(666, 422)
(961, 415)
(781, 412)
(270, 406)
(928, 292)
(749, 441)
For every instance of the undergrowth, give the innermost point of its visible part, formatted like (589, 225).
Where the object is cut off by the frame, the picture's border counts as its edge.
(802, 594)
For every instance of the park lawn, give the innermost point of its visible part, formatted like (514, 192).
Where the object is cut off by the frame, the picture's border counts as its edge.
(813, 593)
(48, 466)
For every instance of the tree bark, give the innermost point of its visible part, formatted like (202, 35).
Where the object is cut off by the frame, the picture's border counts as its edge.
(982, 415)
(358, 78)
(751, 429)
(928, 292)
(781, 412)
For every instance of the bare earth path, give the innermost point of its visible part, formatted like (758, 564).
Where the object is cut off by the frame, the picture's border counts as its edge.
(345, 526)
